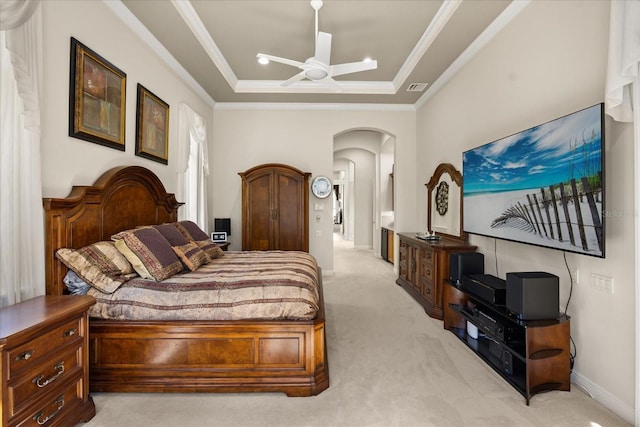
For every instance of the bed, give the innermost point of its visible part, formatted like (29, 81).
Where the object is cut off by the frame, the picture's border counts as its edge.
(152, 355)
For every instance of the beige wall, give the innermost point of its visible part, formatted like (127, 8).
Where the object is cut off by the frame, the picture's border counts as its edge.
(548, 62)
(302, 136)
(68, 161)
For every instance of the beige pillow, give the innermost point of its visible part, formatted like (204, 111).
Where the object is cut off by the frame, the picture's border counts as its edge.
(100, 265)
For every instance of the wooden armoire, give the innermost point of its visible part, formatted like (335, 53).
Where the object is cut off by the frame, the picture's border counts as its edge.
(275, 208)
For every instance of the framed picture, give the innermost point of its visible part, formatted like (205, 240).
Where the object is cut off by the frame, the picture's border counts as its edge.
(219, 236)
(152, 126)
(97, 91)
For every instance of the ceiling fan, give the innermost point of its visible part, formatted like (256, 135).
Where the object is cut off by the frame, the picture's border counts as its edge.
(318, 68)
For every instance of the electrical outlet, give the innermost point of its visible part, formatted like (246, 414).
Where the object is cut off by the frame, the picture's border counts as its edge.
(318, 233)
(602, 283)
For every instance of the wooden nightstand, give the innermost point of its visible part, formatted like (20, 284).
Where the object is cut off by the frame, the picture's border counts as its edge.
(44, 358)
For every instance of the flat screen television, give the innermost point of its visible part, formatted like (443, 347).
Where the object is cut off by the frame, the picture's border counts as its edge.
(543, 186)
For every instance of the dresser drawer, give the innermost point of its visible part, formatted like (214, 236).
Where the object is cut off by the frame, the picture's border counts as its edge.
(52, 410)
(46, 376)
(426, 270)
(32, 353)
(428, 290)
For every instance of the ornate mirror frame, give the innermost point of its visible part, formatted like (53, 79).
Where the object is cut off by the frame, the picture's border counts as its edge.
(444, 203)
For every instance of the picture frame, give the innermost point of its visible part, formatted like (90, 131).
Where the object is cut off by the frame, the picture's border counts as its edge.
(219, 236)
(152, 126)
(97, 98)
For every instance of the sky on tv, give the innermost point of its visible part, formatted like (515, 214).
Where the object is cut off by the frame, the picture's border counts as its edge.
(550, 153)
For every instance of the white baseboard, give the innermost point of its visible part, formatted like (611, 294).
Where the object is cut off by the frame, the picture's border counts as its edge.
(603, 397)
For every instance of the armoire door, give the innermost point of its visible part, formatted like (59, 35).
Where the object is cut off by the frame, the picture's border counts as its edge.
(275, 208)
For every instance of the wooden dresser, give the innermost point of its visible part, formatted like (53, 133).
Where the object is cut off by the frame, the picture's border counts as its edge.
(423, 268)
(275, 208)
(44, 365)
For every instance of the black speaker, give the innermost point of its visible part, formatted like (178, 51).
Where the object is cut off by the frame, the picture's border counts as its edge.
(533, 295)
(464, 263)
(222, 224)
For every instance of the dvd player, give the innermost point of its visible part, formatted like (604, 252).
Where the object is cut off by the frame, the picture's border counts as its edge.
(487, 287)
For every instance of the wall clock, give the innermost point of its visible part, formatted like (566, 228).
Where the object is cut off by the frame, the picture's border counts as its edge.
(321, 187)
(442, 198)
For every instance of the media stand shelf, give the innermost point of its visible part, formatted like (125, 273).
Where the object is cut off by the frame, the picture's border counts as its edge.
(531, 355)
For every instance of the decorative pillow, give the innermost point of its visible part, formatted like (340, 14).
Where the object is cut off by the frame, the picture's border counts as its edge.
(192, 232)
(100, 264)
(212, 250)
(149, 253)
(188, 252)
(191, 255)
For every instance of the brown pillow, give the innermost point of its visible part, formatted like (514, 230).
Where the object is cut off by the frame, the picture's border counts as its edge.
(191, 230)
(149, 253)
(191, 255)
(100, 264)
(194, 233)
(188, 252)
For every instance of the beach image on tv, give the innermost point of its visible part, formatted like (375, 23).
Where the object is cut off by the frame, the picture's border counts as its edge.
(542, 186)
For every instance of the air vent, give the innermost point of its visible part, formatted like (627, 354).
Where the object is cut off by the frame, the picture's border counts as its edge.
(417, 87)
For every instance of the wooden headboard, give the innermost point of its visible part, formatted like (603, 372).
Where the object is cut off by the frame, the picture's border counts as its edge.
(122, 198)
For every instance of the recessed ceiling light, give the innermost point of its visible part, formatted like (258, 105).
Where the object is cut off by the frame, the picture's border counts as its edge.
(262, 60)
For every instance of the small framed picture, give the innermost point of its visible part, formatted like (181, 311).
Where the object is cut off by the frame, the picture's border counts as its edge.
(219, 236)
(152, 127)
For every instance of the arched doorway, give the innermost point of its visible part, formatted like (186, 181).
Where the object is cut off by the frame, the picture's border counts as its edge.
(363, 162)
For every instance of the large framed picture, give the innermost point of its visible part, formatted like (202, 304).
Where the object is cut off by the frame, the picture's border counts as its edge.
(152, 126)
(97, 90)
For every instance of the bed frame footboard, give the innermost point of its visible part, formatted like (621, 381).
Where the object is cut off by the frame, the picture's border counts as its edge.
(244, 356)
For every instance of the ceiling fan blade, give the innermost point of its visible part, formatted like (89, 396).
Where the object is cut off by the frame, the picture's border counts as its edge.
(294, 79)
(352, 67)
(280, 60)
(323, 48)
(328, 81)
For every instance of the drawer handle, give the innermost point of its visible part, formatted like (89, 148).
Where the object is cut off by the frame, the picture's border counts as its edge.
(38, 417)
(24, 356)
(59, 368)
(428, 291)
(70, 332)
(428, 272)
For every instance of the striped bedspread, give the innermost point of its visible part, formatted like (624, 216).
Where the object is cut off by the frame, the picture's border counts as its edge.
(238, 285)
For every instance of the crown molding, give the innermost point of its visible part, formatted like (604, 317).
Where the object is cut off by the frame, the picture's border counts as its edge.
(133, 23)
(487, 35)
(348, 87)
(313, 106)
(197, 27)
(436, 25)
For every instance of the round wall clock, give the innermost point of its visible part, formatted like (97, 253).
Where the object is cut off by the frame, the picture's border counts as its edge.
(321, 187)
(442, 198)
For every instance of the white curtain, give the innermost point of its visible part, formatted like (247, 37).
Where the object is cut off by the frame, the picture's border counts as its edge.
(21, 214)
(193, 166)
(622, 103)
(624, 61)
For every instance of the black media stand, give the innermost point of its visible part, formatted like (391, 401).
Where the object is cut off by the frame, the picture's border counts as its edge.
(532, 356)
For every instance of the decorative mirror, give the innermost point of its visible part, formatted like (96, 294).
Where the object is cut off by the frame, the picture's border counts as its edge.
(444, 203)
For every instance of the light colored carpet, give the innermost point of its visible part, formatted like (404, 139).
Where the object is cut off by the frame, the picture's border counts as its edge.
(389, 365)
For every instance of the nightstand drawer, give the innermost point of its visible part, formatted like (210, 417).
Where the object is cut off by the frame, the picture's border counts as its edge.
(51, 411)
(48, 375)
(31, 353)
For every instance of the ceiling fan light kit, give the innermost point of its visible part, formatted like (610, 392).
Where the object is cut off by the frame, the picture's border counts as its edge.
(318, 68)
